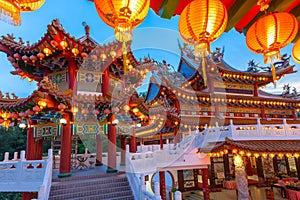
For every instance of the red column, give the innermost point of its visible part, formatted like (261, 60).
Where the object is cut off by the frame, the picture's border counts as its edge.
(205, 177)
(132, 142)
(112, 149)
(66, 148)
(99, 150)
(161, 141)
(31, 146)
(31, 154)
(72, 74)
(39, 150)
(255, 90)
(262, 111)
(294, 113)
(217, 109)
(162, 185)
(123, 150)
(176, 136)
(105, 82)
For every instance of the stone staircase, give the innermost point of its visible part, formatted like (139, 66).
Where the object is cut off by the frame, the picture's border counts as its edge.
(92, 187)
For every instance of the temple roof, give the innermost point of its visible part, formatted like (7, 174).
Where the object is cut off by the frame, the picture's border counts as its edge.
(55, 50)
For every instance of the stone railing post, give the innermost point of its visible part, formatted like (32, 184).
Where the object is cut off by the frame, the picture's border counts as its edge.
(178, 195)
(15, 156)
(22, 156)
(6, 157)
(156, 189)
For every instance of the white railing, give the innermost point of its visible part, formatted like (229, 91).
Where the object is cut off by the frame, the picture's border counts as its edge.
(257, 131)
(137, 185)
(151, 161)
(21, 175)
(44, 190)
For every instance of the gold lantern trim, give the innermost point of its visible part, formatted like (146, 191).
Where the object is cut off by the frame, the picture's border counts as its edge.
(296, 51)
(10, 9)
(123, 15)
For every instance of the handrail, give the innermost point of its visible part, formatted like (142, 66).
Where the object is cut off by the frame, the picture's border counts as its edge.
(44, 190)
(135, 183)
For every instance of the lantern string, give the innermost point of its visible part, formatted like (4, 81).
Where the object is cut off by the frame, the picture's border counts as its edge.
(203, 67)
(124, 51)
(274, 75)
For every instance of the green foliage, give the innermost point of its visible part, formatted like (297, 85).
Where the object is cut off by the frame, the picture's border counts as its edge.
(12, 140)
(10, 196)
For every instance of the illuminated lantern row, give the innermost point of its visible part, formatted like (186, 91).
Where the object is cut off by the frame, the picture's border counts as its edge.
(10, 9)
(296, 51)
(255, 154)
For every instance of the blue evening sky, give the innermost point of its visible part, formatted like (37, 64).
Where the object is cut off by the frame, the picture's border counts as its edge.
(155, 36)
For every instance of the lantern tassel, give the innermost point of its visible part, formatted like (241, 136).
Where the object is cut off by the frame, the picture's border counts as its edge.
(204, 72)
(274, 75)
(124, 51)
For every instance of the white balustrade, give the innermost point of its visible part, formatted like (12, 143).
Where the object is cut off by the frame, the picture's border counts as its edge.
(21, 175)
(257, 131)
(44, 189)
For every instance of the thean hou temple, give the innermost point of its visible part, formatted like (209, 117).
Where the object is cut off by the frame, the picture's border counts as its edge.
(202, 126)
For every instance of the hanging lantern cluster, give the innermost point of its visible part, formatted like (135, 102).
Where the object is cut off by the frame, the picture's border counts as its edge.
(11, 9)
(296, 51)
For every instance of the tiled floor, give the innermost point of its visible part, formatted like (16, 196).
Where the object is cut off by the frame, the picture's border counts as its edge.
(257, 194)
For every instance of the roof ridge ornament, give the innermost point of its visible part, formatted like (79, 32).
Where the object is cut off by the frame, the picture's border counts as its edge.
(86, 28)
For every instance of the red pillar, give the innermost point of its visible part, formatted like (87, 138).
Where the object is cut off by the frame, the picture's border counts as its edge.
(205, 177)
(132, 142)
(294, 115)
(39, 150)
(255, 90)
(99, 150)
(66, 148)
(161, 141)
(262, 111)
(112, 149)
(162, 185)
(123, 150)
(31, 154)
(72, 74)
(105, 82)
(31, 146)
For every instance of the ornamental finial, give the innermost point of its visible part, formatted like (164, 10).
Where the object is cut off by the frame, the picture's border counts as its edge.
(87, 28)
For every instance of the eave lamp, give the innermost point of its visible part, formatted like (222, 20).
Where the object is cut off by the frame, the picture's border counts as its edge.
(271, 33)
(202, 22)
(10, 9)
(123, 16)
(296, 51)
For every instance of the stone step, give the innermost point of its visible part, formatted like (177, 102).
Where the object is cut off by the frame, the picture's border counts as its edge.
(87, 182)
(121, 198)
(92, 176)
(96, 195)
(88, 187)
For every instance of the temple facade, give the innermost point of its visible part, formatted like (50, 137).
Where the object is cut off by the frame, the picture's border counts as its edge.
(87, 92)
